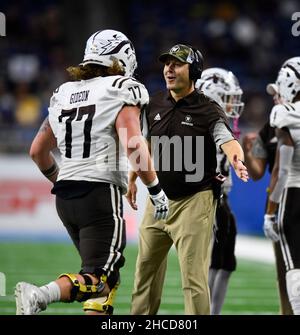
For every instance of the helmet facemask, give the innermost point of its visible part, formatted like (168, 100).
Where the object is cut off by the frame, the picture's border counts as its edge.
(232, 105)
(223, 87)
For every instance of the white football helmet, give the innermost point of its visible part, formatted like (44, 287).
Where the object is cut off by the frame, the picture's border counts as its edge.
(106, 45)
(288, 80)
(223, 87)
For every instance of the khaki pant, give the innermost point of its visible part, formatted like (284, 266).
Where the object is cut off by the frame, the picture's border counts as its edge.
(189, 227)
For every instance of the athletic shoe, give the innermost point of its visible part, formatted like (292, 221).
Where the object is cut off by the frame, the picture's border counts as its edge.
(30, 299)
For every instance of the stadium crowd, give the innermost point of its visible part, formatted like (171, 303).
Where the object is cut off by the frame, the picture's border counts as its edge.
(250, 38)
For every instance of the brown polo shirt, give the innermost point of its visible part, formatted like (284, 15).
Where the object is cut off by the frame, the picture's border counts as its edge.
(181, 136)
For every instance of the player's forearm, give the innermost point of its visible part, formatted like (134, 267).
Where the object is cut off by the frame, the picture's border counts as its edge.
(280, 178)
(134, 144)
(271, 207)
(147, 177)
(47, 165)
(40, 151)
(132, 176)
(139, 157)
(141, 163)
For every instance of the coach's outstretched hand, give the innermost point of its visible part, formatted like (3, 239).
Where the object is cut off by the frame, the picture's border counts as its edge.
(240, 169)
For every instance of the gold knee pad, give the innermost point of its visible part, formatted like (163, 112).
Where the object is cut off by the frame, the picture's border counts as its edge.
(103, 304)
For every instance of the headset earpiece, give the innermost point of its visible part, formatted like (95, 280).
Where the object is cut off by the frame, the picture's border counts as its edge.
(196, 67)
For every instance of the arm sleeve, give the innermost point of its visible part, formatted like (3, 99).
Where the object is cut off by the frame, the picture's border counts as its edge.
(218, 125)
(258, 149)
(221, 133)
(285, 159)
(278, 116)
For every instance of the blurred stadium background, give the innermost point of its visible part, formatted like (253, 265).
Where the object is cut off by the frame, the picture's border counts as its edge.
(44, 37)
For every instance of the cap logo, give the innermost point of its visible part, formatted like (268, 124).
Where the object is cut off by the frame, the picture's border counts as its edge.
(175, 49)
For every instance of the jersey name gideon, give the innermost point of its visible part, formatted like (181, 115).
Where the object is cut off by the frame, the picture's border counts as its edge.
(79, 96)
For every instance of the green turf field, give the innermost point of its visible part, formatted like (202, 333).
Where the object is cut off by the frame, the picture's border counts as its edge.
(252, 288)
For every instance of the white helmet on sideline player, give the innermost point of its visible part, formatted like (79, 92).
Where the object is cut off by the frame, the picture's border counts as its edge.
(223, 87)
(288, 80)
(106, 45)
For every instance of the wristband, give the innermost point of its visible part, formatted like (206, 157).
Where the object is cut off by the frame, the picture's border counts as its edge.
(51, 171)
(154, 187)
(153, 183)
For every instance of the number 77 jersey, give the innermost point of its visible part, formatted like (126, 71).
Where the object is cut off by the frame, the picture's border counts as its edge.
(82, 115)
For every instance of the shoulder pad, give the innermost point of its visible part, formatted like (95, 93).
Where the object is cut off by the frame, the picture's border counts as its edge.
(125, 81)
(57, 94)
(131, 91)
(278, 116)
(60, 88)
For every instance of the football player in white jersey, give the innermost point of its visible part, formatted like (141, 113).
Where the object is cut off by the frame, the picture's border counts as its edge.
(285, 179)
(94, 121)
(223, 87)
(260, 151)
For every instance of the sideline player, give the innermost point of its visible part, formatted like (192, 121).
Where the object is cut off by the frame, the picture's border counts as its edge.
(223, 87)
(260, 151)
(285, 179)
